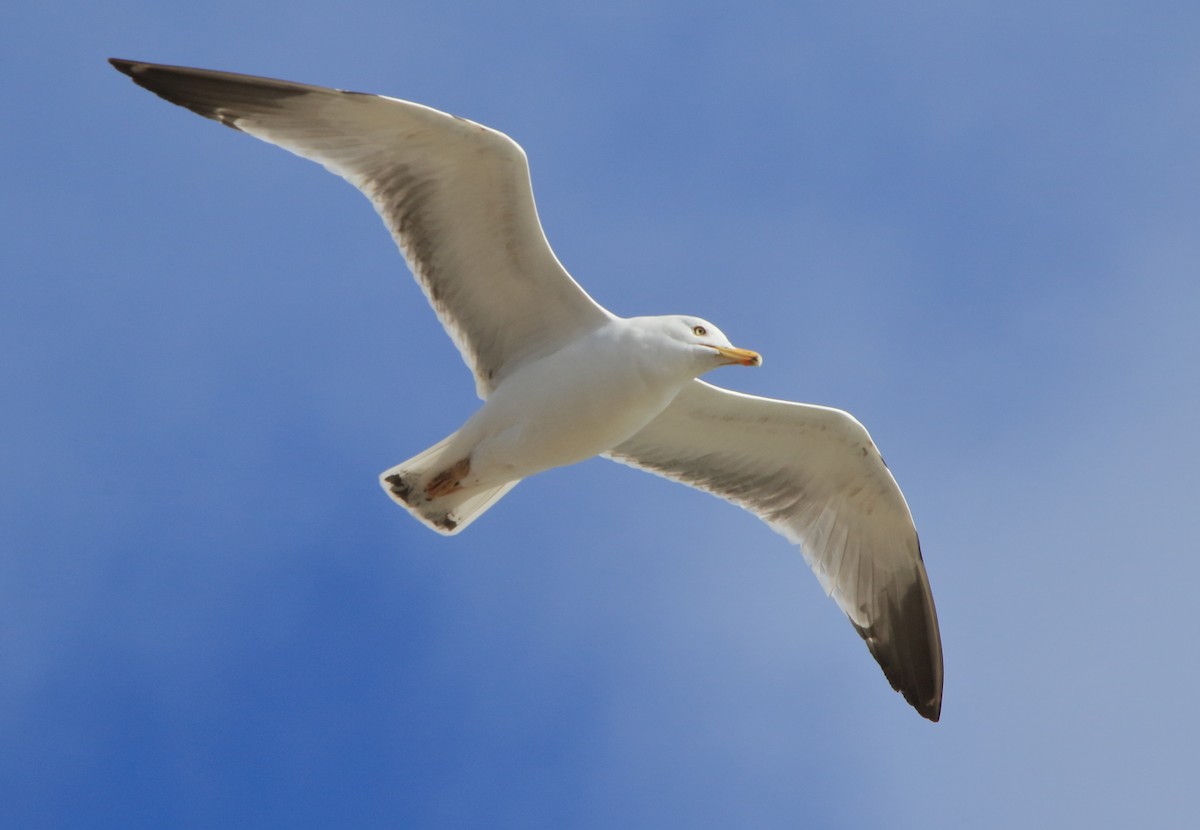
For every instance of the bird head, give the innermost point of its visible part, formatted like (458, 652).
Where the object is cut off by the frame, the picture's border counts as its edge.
(709, 344)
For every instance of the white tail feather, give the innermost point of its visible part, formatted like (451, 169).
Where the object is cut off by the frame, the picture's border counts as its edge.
(449, 514)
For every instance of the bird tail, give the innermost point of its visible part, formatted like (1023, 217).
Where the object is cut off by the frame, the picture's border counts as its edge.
(447, 514)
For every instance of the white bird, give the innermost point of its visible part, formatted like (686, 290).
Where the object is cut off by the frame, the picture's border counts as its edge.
(563, 379)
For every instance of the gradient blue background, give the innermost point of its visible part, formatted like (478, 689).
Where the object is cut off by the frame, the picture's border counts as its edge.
(975, 226)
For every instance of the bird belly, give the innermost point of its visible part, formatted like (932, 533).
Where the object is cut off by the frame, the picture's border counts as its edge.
(561, 410)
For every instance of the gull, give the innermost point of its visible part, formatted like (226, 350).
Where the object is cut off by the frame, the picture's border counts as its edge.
(563, 379)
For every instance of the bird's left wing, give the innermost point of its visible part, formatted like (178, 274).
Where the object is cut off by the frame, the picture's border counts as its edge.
(814, 475)
(455, 194)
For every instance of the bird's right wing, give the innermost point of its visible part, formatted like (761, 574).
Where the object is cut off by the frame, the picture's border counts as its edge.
(814, 475)
(456, 196)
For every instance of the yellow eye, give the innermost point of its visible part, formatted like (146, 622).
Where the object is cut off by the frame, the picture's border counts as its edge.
(699, 331)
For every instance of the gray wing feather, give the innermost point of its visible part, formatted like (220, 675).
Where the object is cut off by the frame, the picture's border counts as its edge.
(456, 196)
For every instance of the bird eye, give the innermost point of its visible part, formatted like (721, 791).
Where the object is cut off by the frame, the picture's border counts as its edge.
(699, 331)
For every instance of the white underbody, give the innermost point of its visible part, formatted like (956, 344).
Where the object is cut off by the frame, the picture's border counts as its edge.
(569, 406)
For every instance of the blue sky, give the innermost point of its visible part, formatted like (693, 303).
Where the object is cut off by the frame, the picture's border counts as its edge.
(972, 225)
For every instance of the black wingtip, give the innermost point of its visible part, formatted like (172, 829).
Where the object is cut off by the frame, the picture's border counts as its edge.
(127, 67)
(907, 645)
(195, 89)
(139, 71)
(222, 96)
(929, 709)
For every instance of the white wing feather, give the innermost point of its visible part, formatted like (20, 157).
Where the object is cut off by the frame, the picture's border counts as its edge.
(814, 475)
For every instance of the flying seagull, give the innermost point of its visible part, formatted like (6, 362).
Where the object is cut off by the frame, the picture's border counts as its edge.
(563, 379)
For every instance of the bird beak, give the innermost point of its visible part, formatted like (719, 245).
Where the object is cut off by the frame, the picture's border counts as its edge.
(745, 357)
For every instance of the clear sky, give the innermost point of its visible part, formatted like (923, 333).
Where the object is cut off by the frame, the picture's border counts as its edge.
(974, 226)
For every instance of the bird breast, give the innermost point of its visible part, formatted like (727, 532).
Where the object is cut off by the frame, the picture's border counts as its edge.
(571, 405)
